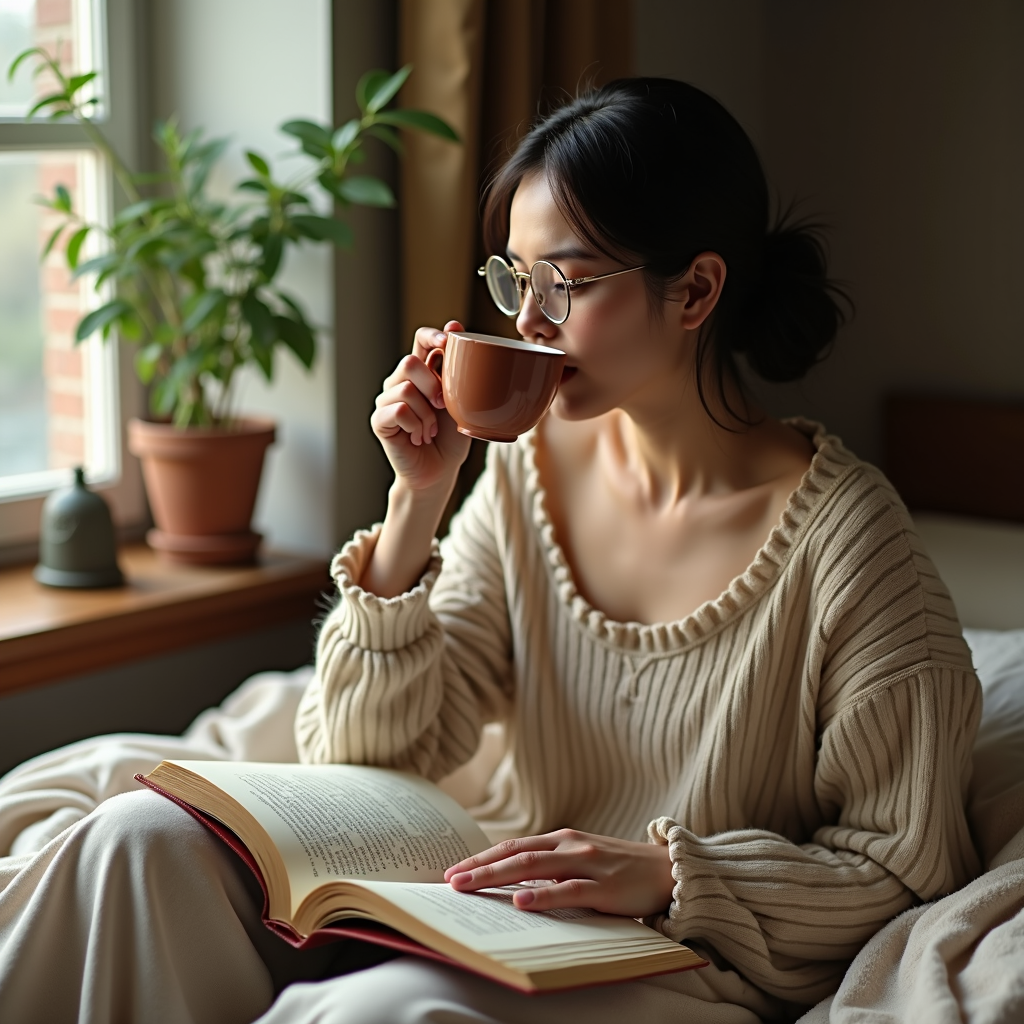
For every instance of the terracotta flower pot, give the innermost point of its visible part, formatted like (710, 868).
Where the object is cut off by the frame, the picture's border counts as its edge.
(202, 486)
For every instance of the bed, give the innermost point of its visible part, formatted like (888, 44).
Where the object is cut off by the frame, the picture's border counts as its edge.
(958, 959)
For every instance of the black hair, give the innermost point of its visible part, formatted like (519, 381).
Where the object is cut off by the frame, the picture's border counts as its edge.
(654, 171)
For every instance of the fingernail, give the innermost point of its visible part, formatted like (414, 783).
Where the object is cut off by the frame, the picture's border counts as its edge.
(433, 430)
(440, 336)
(438, 400)
(462, 878)
(524, 898)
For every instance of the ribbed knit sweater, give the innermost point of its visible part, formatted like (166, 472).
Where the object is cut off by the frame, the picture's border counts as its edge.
(802, 743)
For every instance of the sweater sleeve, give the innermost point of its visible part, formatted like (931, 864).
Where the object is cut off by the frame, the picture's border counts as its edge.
(409, 682)
(791, 916)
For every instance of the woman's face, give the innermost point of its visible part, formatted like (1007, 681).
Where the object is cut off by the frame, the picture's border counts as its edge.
(618, 355)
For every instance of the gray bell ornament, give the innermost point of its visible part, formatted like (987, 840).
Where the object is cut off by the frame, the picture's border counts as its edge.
(76, 543)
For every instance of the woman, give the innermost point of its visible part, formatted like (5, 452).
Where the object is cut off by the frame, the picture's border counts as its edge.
(735, 692)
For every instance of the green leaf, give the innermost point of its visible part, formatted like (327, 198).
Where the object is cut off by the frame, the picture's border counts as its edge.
(147, 360)
(131, 327)
(366, 191)
(292, 305)
(273, 250)
(206, 305)
(63, 200)
(316, 140)
(48, 101)
(385, 91)
(75, 245)
(259, 165)
(298, 337)
(51, 242)
(346, 134)
(420, 120)
(388, 136)
(21, 58)
(163, 397)
(324, 229)
(368, 85)
(263, 353)
(103, 318)
(261, 320)
(251, 185)
(76, 82)
(98, 264)
(140, 209)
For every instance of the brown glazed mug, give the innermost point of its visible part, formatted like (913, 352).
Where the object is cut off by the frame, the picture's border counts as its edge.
(496, 388)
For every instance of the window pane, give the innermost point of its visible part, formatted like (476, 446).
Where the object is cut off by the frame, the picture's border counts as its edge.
(69, 24)
(55, 397)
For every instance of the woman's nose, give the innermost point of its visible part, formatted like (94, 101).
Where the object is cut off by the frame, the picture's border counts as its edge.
(532, 324)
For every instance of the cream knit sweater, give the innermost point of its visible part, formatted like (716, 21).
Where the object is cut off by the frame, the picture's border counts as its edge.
(802, 743)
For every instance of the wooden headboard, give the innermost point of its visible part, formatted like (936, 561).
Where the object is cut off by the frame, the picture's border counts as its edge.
(959, 456)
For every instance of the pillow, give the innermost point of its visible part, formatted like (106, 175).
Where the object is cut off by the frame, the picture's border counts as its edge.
(995, 807)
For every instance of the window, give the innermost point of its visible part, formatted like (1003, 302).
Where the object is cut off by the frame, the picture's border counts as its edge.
(60, 403)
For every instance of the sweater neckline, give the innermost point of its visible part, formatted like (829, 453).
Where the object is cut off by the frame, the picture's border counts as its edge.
(830, 463)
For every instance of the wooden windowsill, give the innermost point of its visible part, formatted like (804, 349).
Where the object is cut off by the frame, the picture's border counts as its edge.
(48, 633)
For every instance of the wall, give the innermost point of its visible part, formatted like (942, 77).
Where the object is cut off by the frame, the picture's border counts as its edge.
(240, 68)
(902, 126)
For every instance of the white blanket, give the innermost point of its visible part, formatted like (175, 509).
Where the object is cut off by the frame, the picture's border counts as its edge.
(44, 796)
(959, 959)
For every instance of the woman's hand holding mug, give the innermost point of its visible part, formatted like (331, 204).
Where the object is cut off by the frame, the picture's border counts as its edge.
(421, 441)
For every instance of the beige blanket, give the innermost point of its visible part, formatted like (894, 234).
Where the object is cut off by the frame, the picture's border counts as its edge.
(959, 959)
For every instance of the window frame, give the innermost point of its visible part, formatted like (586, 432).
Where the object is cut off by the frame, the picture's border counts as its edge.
(121, 31)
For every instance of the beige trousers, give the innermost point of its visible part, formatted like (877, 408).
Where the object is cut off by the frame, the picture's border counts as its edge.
(138, 913)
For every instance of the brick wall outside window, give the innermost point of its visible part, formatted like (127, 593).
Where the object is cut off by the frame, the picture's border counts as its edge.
(64, 301)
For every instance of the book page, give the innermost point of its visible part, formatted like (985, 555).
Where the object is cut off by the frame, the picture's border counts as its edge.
(489, 922)
(331, 822)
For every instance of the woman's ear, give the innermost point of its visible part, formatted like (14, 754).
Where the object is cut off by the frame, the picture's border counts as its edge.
(700, 289)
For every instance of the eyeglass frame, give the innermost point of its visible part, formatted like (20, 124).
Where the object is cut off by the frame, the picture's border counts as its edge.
(524, 283)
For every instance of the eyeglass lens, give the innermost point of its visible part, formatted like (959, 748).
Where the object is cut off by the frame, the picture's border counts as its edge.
(549, 289)
(503, 286)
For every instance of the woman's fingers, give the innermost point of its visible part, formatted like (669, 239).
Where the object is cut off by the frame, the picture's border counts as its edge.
(509, 848)
(616, 876)
(427, 338)
(575, 892)
(392, 420)
(424, 419)
(413, 370)
(527, 866)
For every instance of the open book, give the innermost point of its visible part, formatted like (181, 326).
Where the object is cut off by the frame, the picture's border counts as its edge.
(331, 843)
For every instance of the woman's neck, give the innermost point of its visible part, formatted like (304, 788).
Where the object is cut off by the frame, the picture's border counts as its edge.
(673, 449)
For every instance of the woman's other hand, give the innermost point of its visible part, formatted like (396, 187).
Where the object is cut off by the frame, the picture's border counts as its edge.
(425, 450)
(611, 875)
(419, 437)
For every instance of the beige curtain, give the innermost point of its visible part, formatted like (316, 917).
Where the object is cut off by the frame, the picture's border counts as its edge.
(488, 68)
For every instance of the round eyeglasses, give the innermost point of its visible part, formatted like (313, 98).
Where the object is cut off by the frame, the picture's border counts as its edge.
(551, 288)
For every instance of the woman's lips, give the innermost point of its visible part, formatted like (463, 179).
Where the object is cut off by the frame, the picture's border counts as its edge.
(568, 372)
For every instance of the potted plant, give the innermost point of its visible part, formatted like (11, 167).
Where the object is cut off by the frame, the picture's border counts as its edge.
(192, 281)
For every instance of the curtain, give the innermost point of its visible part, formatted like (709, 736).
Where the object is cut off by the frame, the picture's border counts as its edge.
(489, 68)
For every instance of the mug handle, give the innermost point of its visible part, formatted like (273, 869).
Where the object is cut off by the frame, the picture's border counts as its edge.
(439, 352)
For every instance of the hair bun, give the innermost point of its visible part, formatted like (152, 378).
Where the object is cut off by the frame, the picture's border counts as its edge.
(795, 311)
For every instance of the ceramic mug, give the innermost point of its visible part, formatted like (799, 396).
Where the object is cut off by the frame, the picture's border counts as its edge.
(496, 388)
